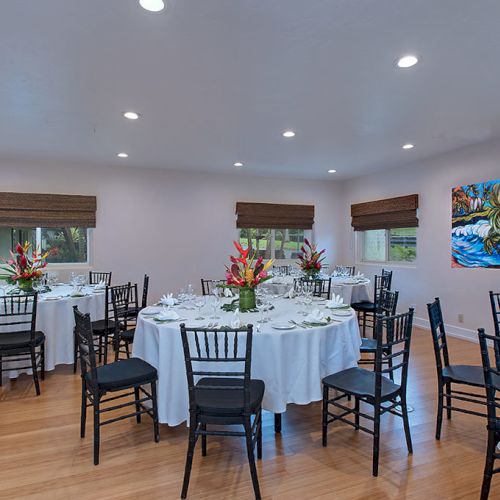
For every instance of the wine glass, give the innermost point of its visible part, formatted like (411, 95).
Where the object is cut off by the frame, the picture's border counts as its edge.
(199, 304)
(215, 305)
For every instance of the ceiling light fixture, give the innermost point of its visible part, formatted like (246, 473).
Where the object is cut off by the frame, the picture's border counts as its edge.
(152, 5)
(131, 115)
(288, 134)
(122, 155)
(238, 164)
(408, 146)
(331, 171)
(407, 61)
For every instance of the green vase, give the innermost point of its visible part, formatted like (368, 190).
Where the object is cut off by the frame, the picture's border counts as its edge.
(26, 285)
(247, 299)
(311, 273)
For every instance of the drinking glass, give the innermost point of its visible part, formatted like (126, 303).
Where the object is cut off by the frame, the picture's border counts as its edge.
(199, 304)
(215, 305)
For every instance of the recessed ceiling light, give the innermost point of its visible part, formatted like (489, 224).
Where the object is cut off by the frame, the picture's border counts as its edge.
(122, 155)
(407, 61)
(131, 115)
(288, 134)
(238, 164)
(408, 146)
(331, 171)
(152, 5)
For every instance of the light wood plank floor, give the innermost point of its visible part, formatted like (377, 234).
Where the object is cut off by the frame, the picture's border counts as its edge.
(43, 457)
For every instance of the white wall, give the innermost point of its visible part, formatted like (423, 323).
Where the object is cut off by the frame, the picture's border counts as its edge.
(177, 227)
(461, 290)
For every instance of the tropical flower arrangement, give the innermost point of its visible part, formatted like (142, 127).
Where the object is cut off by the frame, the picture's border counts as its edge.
(310, 259)
(23, 269)
(246, 273)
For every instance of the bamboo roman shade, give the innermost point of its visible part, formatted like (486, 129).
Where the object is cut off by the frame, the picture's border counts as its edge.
(385, 214)
(274, 216)
(47, 210)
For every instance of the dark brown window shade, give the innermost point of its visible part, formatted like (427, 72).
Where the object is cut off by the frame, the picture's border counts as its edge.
(47, 210)
(385, 214)
(274, 216)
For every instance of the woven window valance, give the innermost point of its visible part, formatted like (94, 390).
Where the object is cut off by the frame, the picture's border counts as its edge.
(47, 210)
(274, 216)
(385, 214)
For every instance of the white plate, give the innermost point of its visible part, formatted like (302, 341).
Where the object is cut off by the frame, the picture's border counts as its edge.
(53, 298)
(282, 326)
(341, 312)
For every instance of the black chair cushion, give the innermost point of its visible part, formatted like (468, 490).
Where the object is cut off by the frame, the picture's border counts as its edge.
(18, 340)
(364, 306)
(128, 335)
(229, 401)
(99, 326)
(360, 382)
(126, 373)
(465, 374)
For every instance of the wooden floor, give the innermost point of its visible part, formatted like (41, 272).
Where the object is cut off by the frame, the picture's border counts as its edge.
(43, 457)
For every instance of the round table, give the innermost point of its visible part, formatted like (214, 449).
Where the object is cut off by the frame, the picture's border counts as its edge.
(55, 318)
(350, 289)
(290, 362)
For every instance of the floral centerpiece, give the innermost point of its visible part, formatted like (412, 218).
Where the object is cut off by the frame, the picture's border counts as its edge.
(23, 269)
(246, 274)
(310, 259)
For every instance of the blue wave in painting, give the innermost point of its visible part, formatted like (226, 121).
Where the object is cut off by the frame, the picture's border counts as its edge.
(467, 245)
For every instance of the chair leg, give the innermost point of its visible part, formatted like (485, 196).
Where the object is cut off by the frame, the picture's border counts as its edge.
(406, 423)
(42, 360)
(127, 350)
(203, 441)
(251, 458)
(439, 420)
(97, 428)
(325, 415)
(488, 467)
(189, 458)
(259, 435)
(376, 439)
(448, 400)
(389, 364)
(137, 405)
(35, 372)
(101, 348)
(356, 413)
(83, 415)
(106, 342)
(155, 411)
(75, 350)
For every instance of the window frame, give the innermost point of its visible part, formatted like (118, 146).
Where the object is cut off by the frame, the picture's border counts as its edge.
(360, 245)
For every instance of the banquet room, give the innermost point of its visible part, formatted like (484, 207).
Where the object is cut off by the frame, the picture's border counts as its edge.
(249, 249)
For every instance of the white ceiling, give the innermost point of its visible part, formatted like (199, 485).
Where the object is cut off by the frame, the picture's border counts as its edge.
(217, 81)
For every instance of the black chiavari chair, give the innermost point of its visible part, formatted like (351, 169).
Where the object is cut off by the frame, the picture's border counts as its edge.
(449, 375)
(96, 277)
(20, 341)
(393, 335)
(222, 396)
(207, 286)
(130, 375)
(124, 324)
(388, 275)
(322, 287)
(345, 269)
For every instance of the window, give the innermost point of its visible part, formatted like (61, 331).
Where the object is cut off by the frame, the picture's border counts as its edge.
(279, 244)
(389, 245)
(68, 245)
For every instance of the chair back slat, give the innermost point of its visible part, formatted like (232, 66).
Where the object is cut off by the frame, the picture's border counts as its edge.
(85, 340)
(18, 313)
(495, 310)
(387, 303)
(438, 333)
(387, 274)
(393, 335)
(145, 289)
(197, 344)
(96, 277)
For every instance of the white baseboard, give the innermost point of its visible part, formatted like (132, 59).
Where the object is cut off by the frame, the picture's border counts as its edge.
(451, 330)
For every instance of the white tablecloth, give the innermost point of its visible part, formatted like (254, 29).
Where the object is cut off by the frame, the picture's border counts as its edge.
(55, 318)
(290, 362)
(350, 292)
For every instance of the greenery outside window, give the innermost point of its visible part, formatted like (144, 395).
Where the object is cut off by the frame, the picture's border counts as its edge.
(68, 245)
(388, 245)
(278, 244)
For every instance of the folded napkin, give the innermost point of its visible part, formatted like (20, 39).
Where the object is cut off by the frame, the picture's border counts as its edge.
(236, 322)
(167, 300)
(360, 275)
(167, 315)
(336, 301)
(316, 316)
(290, 294)
(101, 285)
(228, 292)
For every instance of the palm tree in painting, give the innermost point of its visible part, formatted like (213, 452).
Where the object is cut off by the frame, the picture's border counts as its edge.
(492, 239)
